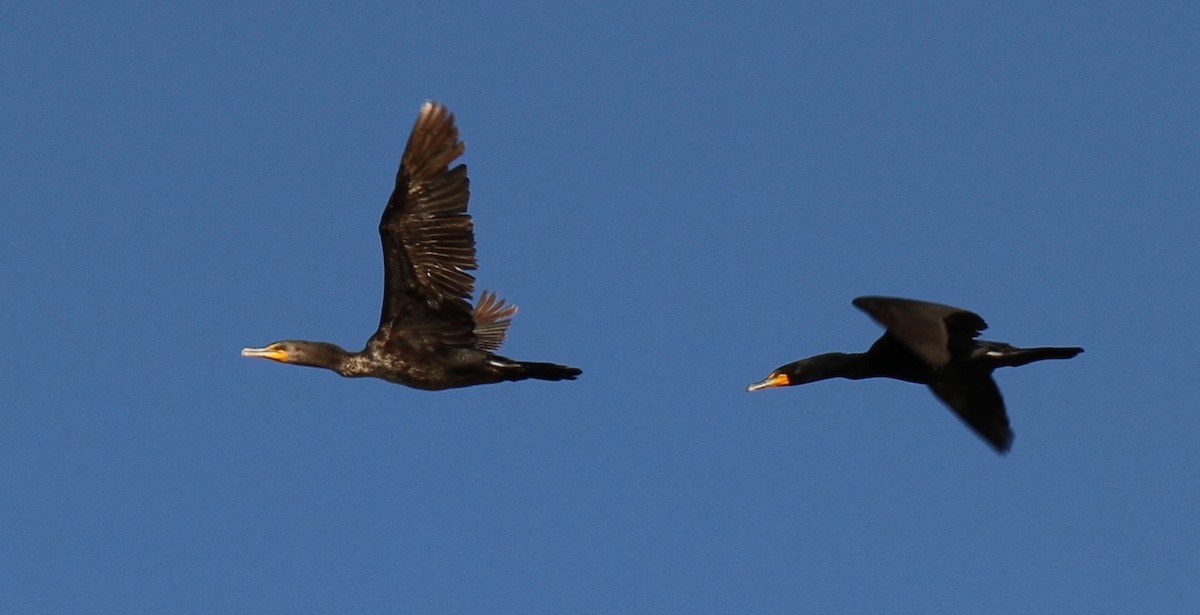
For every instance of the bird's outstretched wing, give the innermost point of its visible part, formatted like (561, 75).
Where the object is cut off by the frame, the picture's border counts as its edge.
(428, 237)
(935, 332)
(492, 317)
(977, 401)
(428, 241)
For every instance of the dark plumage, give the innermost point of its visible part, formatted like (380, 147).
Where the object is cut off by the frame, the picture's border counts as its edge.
(931, 344)
(429, 336)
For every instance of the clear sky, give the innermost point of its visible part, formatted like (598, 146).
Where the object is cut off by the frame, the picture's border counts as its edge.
(679, 199)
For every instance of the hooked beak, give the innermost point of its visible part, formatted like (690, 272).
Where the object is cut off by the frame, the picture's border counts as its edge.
(273, 352)
(776, 380)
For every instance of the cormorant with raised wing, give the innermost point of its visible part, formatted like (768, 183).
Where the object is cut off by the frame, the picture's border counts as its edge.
(429, 336)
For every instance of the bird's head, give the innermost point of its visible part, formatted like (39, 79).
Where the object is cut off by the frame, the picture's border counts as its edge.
(804, 371)
(298, 352)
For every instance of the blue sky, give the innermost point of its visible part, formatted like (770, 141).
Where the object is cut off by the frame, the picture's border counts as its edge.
(679, 199)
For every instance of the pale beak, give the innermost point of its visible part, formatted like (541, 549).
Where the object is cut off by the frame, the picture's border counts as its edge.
(272, 352)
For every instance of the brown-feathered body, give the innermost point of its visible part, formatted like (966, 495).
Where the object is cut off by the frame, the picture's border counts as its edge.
(429, 336)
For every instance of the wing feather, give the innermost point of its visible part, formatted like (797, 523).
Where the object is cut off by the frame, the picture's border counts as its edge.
(428, 237)
(933, 331)
(977, 401)
(492, 317)
(429, 243)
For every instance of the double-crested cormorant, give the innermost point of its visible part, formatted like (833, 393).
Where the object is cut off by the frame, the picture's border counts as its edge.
(429, 336)
(931, 344)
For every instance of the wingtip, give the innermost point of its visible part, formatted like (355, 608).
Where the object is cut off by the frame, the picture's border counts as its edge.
(1003, 448)
(1001, 443)
(435, 112)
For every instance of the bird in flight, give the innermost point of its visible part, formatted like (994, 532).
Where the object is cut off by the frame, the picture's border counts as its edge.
(430, 336)
(931, 344)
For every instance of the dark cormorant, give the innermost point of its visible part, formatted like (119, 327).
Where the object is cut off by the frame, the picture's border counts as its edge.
(429, 336)
(932, 344)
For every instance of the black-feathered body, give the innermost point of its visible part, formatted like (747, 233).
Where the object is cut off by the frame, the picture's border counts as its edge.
(931, 344)
(430, 336)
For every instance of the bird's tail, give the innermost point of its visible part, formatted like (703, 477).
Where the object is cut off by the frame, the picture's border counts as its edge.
(1016, 357)
(524, 370)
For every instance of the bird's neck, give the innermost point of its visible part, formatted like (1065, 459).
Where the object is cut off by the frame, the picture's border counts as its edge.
(325, 355)
(853, 366)
(829, 365)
